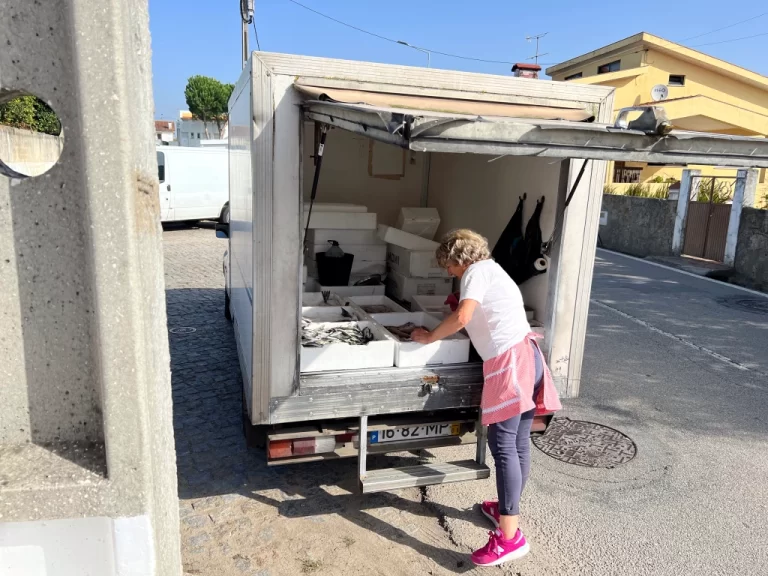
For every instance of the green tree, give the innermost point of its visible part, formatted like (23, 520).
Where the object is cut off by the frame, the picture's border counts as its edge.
(207, 99)
(30, 113)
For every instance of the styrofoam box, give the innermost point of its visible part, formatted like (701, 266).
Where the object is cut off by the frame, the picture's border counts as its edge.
(529, 313)
(330, 207)
(364, 252)
(404, 239)
(326, 313)
(341, 220)
(379, 353)
(405, 288)
(422, 222)
(414, 263)
(451, 350)
(431, 304)
(374, 300)
(354, 290)
(312, 299)
(359, 267)
(321, 236)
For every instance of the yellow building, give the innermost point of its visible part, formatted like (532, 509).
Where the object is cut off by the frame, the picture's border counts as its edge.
(699, 92)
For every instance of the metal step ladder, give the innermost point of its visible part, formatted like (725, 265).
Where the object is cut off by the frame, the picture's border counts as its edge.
(422, 474)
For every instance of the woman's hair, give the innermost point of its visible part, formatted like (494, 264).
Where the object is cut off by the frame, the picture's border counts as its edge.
(462, 247)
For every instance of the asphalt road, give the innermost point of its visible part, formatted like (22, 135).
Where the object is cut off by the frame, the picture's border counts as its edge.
(667, 363)
(685, 376)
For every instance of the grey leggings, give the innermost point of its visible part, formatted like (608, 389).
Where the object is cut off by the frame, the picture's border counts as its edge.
(510, 443)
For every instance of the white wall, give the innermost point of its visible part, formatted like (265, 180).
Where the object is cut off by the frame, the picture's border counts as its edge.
(344, 177)
(471, 192)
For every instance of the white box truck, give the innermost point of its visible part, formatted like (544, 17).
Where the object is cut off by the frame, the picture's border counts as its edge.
(194, 183)
(386, 137)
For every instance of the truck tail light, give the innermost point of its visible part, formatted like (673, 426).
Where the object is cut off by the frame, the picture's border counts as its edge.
(302, 446)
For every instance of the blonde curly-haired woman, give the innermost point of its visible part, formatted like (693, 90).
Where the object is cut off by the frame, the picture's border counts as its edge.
(517, 382)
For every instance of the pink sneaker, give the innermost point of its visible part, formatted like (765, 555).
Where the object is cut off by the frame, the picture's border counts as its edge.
(498, 550)
(490, 510)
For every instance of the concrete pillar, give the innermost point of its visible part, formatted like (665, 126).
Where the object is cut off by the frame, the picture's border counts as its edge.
(689, 190)
(88, 474)
(745, 192)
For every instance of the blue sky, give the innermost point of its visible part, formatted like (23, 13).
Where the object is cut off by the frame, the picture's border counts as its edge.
(193, 37)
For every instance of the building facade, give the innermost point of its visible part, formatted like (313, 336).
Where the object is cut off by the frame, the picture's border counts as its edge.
(165, 132)
(698, 92)
(191, 132)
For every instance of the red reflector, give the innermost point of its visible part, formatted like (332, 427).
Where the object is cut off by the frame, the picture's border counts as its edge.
(280, 449)
(344, 438)
(304, 446)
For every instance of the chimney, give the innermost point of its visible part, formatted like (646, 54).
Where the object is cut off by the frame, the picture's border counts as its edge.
(521, 70)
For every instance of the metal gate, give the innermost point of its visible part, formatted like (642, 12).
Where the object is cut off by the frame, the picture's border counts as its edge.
(709, 213)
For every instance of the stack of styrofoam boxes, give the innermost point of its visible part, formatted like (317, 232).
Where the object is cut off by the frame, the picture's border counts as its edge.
(354, 228)
(412, 266)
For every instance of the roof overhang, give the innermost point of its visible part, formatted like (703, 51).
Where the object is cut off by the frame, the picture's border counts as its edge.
(429, 131)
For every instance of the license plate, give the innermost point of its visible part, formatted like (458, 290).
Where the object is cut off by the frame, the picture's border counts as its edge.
(414, 433)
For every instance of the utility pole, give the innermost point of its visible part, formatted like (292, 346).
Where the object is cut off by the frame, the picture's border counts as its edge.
(246, 17)
(536, 56)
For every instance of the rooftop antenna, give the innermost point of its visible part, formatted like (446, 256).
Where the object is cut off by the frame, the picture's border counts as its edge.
(536, 56)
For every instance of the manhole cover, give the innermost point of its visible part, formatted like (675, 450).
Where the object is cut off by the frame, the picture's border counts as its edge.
(183, 330)
(755, 305)
(585, 444)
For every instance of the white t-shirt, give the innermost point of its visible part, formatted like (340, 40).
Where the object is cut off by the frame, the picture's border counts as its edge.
(499, 321)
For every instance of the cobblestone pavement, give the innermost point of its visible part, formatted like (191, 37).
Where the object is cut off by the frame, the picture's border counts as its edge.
(237, 515)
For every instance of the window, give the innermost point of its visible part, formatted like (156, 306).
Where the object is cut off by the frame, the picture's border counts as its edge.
(574, 76)
(676, 80)
(623, 174)
(161, 167)
(198, 135)
(614, 66)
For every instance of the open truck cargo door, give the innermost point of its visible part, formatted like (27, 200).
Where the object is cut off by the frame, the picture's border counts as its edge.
(648, 139)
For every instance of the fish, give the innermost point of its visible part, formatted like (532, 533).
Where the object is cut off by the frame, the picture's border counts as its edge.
(404, 331)
(317, 335)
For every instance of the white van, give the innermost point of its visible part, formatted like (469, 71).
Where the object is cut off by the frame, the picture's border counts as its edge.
(194, 183)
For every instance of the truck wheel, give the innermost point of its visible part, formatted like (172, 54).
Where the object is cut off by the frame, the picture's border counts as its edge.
(227, 311)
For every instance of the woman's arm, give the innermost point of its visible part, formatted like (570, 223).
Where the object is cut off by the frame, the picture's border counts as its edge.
(455, 322)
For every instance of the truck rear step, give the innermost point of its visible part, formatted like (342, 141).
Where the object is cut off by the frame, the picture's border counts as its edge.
(422, 474)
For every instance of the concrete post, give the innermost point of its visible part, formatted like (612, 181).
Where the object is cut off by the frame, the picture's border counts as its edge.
(744, 195)
(689, 190)
(88, 474)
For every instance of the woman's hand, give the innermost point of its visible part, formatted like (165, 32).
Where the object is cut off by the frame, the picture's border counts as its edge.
(422, 336)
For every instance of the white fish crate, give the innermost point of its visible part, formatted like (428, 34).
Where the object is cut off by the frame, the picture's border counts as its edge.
(422, 222)
(354, 290)
(404, 288)
(341, 220)
(333, 314)
(364, 301)
(316, 299)
(451, 350)
(414, 263)
(379, 353)
(404, 239)
(434, 305)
